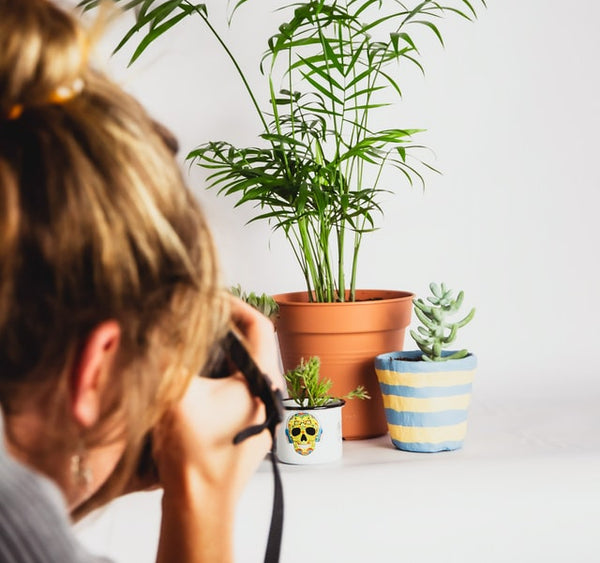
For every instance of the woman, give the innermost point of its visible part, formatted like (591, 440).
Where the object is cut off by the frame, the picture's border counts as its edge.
(110, 302)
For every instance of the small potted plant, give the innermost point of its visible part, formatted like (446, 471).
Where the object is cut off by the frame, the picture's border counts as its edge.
(426, 392)
(263, 302)
(311, 431)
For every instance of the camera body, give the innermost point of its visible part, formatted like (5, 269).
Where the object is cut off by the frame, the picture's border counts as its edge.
(229, 356)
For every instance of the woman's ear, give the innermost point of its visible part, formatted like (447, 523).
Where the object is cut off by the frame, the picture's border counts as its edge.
(91, 372)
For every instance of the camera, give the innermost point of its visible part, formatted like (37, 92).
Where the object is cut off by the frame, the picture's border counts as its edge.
(233, 354)
(228, 356)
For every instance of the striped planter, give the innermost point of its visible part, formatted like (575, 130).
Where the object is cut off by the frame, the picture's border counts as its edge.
(425, 403)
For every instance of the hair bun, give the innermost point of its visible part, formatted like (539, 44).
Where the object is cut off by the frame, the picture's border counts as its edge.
(42, 55)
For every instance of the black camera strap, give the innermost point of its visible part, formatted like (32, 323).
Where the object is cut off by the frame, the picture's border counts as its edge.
(260, 386)
(233, 351)
(276, 530)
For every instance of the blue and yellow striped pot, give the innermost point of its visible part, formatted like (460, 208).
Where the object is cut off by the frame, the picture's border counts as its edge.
(425, 403)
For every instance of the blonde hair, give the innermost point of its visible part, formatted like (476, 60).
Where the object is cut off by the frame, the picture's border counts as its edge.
(96, 223)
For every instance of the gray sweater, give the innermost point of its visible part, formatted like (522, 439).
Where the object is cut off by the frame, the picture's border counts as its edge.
(34, 525)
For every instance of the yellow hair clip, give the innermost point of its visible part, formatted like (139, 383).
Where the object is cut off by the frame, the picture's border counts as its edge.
(64, 93)
(61, 95)
(15, 112)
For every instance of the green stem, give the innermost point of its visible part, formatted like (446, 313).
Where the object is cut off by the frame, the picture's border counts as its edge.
(341, 275)
(300, 258)
(309, 259)
(329, 282)
(357, 241)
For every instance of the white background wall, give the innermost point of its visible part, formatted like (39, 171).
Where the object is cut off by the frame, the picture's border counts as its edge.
(511, 108)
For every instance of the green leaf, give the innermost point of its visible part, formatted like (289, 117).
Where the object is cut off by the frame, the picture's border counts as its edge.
(419, 339)
(395, 38)
(234, 10)
(433, 28)
(330, 54)
(451, 336)
(155, 34)
(391, 82)
(459, 300)
(458, 355)
(322, 71)
(323, 89)
(365, 91)
(426, 321)
(360, 77)
(467, 319)
(153, 17)
(470, 6)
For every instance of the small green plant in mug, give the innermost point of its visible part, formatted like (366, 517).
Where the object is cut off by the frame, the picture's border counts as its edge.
(438, 331)
(308, 389)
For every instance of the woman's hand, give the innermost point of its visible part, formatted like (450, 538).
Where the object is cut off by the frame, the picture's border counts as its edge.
(202, 472)
(259, 336)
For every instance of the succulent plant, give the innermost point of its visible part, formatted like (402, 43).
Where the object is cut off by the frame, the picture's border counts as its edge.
(307, 389)
(263, 302)
(438, 332)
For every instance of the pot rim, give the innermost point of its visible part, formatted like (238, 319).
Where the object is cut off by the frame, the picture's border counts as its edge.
(300, 298)
(411, 361)
(290, 405)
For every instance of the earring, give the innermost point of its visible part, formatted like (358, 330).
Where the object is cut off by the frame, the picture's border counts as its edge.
(80, 472)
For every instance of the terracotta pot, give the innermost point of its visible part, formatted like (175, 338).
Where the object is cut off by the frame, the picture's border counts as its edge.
(310, 435)
(346, 337)
(426, 403)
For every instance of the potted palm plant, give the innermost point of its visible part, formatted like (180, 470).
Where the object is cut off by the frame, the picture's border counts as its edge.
(426, 392)
(316, 173)
(311, 431)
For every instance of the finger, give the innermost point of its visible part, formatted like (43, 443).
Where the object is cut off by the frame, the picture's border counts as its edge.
(246, 317)
(259, 336)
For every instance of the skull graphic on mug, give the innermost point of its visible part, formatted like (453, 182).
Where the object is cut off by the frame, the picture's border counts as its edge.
(310, 435)
(303, 431)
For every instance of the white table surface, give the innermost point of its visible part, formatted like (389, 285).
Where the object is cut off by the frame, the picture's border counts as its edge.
(525, 488)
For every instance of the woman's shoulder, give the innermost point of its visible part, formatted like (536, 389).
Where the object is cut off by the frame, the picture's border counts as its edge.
(34, 525)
